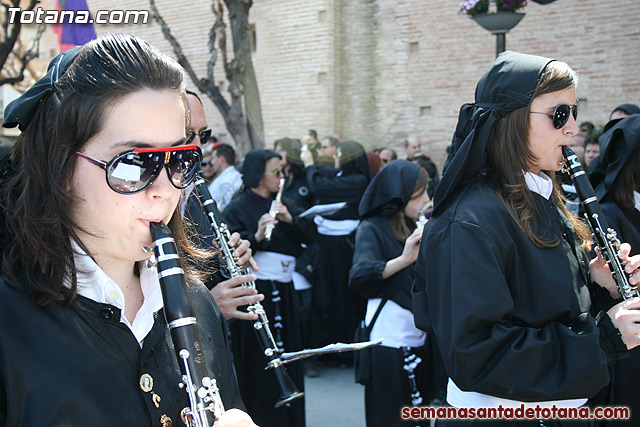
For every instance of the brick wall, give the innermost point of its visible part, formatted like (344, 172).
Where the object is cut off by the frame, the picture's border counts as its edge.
(379, 70)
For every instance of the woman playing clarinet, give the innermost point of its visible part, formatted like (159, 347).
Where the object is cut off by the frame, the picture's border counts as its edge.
(504, 277)
(103, 153)
(255, 211)
(387, 244)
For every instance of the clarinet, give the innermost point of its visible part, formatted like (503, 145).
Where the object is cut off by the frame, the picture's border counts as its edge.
(269, 230)
(287, 391)
(205, 403)
(411, 362)
(605, 237)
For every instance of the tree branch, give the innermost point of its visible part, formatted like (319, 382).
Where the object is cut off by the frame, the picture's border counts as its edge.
(7, 46)
(204, 85)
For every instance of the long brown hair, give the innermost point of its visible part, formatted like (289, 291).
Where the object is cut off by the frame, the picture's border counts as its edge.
(508, 156)
(37, 200)
(401, 226)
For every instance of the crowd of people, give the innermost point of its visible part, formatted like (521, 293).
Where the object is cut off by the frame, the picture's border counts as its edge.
(482, 281)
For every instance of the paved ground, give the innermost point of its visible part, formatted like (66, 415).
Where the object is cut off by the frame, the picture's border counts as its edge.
(334, 398)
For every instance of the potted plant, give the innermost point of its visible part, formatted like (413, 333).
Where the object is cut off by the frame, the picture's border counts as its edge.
(497, 16)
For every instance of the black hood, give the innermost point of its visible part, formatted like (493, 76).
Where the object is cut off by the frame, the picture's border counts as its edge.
(507, 86)
(353, 159)
(617, 145)
(253, 166)
(390, 190)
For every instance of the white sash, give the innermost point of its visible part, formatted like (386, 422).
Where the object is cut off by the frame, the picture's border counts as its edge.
(275, 266)
(331, 227)
(471, 399)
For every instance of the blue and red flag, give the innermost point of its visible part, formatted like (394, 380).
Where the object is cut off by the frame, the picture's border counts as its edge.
(73, 34)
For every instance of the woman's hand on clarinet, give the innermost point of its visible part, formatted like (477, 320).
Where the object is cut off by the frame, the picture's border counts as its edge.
(235, 418)
(626, 317)
(601, 274)
(230, 294)
(242, 252)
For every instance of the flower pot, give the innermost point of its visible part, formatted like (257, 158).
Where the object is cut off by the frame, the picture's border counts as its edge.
(498, 22)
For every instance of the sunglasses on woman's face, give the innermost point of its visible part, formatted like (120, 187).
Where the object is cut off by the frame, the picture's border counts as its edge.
(560, 115)
(135, 170)
(204, 135)
(277, 171)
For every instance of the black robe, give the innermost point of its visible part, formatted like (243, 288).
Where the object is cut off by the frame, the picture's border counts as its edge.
(389, 388)
(626, 223)
(79, 365)
(308, 264)
(329, 187)
(257, 386)
(622, 390)
(619, 142)
(340, 308)
(511, 319)
(246, 210)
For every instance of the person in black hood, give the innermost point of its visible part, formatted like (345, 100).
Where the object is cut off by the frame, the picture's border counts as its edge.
(387, 244)
(504, 275)
(615, 176)
(624, 110)
(619, 113)
(308, 274)
(340, 308)
(249, 215)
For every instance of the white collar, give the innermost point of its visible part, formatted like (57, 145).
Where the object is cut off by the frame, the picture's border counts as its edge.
(541, 184)
(93, 283)
(636, 199)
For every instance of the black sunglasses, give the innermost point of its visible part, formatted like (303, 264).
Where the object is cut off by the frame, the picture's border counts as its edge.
(204, 135)
(560, 115)
(135, 170)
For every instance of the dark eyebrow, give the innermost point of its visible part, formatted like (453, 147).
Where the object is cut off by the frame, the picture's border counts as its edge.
(138, 144)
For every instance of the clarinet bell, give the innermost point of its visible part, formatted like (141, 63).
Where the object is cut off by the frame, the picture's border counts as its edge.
(287, 390)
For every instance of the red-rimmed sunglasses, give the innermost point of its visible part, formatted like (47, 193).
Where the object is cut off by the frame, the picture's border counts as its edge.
(135, 170)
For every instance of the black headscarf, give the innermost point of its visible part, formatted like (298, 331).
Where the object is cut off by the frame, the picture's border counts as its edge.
(253, 166)
(627, 108)
(353, 159)
(507, 86)
(618, 143)
(20, 111)
(390, 190)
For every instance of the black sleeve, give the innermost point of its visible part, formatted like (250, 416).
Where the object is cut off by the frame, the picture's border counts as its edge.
(610, 338)
(365, 276)
(330, 188)
(238, 220)
(304, 229)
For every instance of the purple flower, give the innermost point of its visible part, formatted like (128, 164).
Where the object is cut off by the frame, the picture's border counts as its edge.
(474, 7)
